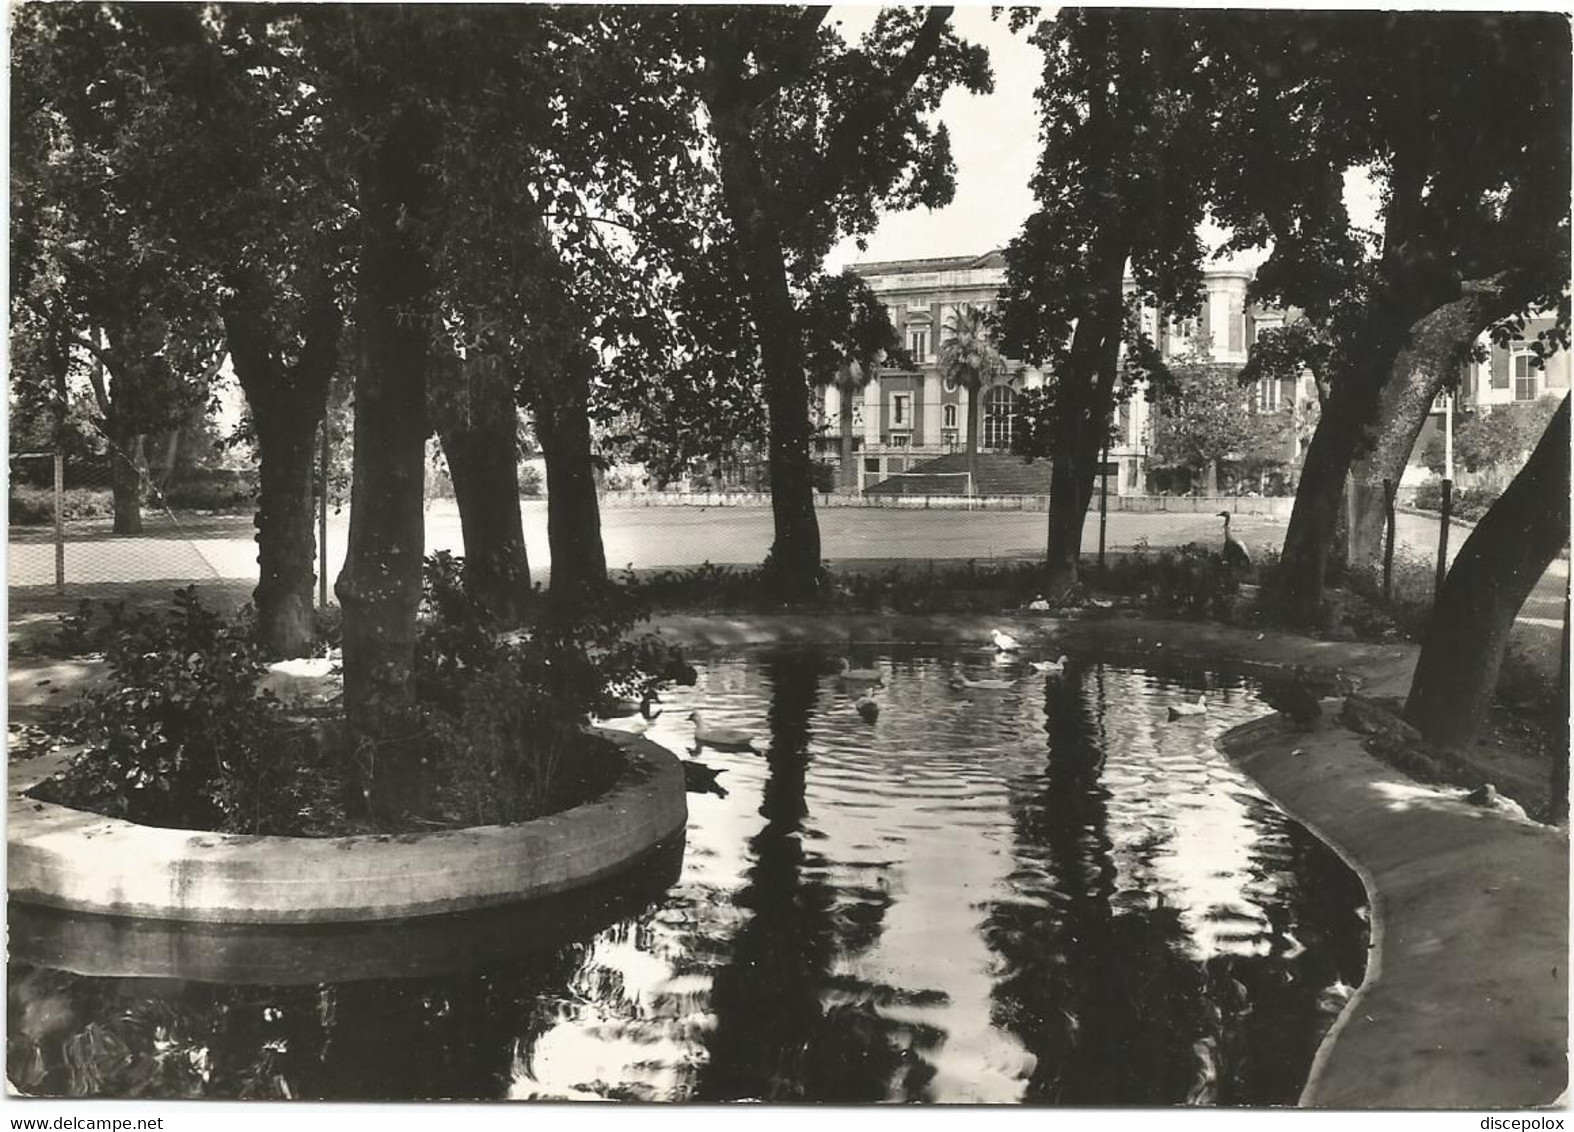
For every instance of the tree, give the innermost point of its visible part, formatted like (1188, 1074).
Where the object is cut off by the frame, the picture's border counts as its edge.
(1461, 122)
(968, 358)
(1494, 442)
(1204, 417)
(86, 151)
(847, 336)
(1500, 563)
(1126, 110)
(811, 137)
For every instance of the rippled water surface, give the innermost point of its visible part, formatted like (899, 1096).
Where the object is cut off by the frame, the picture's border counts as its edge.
(1048, 893)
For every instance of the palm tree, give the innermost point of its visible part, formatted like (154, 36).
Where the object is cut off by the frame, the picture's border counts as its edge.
(850, 380)
(968, 359)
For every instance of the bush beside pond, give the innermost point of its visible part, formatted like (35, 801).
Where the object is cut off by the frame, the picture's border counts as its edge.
(181, 737)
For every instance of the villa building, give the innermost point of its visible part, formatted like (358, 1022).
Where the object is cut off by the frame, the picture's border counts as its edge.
(905, 420)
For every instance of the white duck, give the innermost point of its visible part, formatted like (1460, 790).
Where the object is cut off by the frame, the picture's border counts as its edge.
(1038, 604)
(1181, 711)
(850, 675)
(868, 707)
(1050, 667)
(989, 684)
(721, 738)
(1005, 642)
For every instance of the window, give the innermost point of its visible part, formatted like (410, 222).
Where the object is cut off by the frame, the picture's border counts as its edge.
(872, 466)
(1527, 379)
(948, 417)
(1268, 394)
(899, 440)
(999, 405)
(950, 384)
(901, 410)
(918, 345)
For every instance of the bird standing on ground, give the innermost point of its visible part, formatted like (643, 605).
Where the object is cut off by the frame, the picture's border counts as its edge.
(1005, 642)
(1236, 556)
(1292, 697)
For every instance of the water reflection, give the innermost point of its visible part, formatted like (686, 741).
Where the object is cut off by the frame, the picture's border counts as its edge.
(1043, 893)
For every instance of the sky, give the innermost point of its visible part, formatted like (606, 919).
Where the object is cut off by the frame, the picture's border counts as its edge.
(994, 143)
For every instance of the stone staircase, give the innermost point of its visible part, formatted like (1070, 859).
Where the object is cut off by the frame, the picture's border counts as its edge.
(998, 474)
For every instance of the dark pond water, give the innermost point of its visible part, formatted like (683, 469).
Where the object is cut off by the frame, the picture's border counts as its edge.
(1048, 893)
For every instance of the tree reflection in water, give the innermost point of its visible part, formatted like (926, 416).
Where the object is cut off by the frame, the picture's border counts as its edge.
(789, 1027)
(1107, 988)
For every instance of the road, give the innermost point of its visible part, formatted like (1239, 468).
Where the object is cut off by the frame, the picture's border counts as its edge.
(213, 548)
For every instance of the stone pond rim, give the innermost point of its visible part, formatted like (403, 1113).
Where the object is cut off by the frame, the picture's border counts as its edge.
(70, 859)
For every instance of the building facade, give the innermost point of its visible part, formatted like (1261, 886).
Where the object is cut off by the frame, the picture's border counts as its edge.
(1499, 375)
(904, 418)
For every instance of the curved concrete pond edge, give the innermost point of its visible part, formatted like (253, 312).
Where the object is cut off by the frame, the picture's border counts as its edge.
(1464, 1003)
(65, 858)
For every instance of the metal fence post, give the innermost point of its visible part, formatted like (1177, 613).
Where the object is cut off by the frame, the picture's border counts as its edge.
(60, 521)
(1103, 504)
(1447, 505)
(1388, 545)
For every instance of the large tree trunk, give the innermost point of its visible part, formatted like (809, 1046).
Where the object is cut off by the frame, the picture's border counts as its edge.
(1319, 500)
(286, 543)
(1428, 360)
(795, 550)
(126, 474)
(579, 561)
(479, 431)
(380, 585)
(1500, 563)
(287, 406)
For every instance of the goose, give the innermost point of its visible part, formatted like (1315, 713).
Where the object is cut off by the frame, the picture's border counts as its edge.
(1236, 556)
(850, 675)
(1292, 697)
(721, 738)
(701, 779)
(962, 683)
(868, 707)
(1050, 667)
(1005, 642)
(1181, 711)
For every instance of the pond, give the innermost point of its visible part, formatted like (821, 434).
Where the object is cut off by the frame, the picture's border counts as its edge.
(1046, 893)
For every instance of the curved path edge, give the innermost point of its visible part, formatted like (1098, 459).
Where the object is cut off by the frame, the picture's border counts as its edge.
(1465, 999)
(65, 858)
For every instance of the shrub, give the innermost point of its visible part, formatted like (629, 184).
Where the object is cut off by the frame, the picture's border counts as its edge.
(180, 737)
(505, 712)
(1468, 503)
(35, 506)
(1192, 580)
(1406, 614)
(211, 490)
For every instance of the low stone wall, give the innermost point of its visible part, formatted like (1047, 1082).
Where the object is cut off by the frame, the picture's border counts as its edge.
(65, 858)
(1276, 506)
